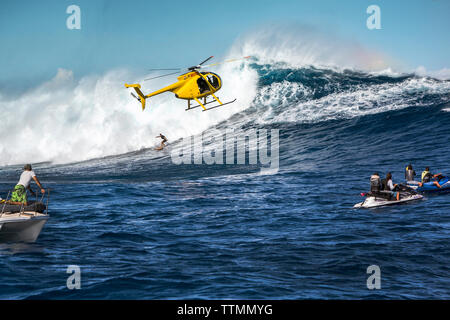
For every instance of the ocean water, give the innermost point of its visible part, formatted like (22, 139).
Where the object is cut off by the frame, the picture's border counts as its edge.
(141, 227)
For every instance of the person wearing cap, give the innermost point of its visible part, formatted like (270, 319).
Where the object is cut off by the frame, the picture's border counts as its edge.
(19, 195)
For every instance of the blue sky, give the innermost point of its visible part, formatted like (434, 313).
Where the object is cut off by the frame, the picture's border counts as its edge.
(34, 40)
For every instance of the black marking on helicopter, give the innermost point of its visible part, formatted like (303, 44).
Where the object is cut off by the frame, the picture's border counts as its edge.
(138, 99)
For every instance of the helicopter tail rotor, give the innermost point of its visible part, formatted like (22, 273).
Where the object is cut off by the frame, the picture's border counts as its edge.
(141, 97)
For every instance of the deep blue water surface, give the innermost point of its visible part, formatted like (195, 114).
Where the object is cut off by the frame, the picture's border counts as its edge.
(141, 227)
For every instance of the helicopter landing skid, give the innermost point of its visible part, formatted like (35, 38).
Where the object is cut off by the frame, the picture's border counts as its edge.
(189, 108)
(220, 105)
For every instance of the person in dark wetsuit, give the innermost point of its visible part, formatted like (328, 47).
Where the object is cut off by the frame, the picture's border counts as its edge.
(164, 139)
(375, 183)
(409, 173)
(378, 187)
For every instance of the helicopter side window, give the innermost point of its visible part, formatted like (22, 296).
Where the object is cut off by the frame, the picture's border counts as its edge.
(213, 80)
(202, 85)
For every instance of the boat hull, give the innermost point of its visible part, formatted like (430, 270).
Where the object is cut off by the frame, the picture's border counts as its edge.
(430, 187)
(372, 202)
(21, 228)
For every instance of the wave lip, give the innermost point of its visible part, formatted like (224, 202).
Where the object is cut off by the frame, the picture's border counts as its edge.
(443, 74)
(297, 46)
(291, 102)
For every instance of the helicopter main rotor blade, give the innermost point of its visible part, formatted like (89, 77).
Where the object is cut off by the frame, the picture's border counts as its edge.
(194, 68)
(163, 69)
(205, 60)
(230, 60)
(164, 75)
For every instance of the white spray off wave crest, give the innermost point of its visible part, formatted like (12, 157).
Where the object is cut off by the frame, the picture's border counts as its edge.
(65, 120)
(297, 46)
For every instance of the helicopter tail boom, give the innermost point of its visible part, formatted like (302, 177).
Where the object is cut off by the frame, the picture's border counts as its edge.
(137, 88)
(142, 97)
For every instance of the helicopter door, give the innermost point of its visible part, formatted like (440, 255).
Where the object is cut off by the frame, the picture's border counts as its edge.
(202, 85)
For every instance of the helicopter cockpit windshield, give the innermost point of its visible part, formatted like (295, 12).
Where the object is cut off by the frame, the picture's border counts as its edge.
(212, 79)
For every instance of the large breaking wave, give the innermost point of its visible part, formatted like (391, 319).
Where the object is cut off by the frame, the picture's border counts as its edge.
(290, 78)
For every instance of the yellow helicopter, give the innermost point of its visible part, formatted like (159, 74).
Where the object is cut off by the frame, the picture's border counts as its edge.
(192, 85)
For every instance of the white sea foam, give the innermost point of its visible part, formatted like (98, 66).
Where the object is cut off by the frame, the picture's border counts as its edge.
(442, 74)
(295, 46)
(360, 101)
(66, 120)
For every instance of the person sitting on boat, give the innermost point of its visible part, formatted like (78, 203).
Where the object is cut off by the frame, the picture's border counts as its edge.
(409, 173)
(427, 176)
(19, 195)
(375, 183)
(390, 186)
